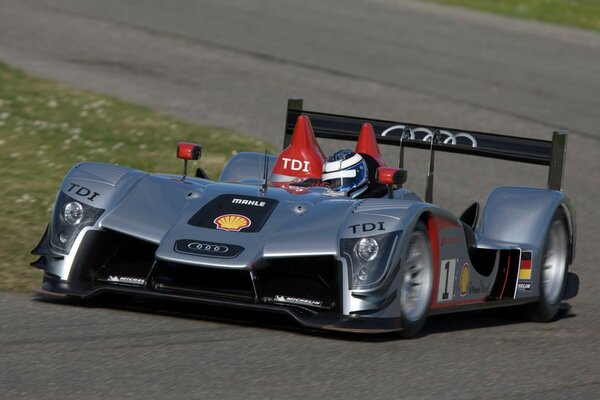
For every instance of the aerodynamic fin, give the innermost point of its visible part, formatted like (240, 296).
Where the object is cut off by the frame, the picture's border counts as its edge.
(367, 144)
(303, 158)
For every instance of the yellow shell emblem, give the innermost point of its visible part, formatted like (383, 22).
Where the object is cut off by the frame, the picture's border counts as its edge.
(464, 280)
(232, 222)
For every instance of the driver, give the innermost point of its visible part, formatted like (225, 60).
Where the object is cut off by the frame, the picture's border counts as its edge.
(346, 173)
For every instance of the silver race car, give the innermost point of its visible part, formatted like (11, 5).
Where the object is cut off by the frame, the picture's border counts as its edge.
(293, 233)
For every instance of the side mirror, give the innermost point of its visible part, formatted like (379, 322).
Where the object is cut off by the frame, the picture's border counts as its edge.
(391, 177)
(188, 151)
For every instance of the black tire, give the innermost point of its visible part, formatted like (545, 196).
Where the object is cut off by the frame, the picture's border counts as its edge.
(553, 272)
(416, 281)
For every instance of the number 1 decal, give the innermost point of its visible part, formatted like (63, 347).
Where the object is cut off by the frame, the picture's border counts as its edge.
(446, 282)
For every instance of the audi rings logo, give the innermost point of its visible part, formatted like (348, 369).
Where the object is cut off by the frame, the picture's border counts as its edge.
(426, 134)
(215, 248)
(207, 249)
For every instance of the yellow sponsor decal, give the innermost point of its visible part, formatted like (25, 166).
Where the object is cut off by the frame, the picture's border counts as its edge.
(464, 280)
(232, 222)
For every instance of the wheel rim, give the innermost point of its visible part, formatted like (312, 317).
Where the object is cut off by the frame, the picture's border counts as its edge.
(554, 262)
(416, 282)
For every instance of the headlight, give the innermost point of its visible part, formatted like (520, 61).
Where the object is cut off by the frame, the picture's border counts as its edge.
(367, 249)
(63, 237)
(68, 219)
(73, 213)
(368, 259)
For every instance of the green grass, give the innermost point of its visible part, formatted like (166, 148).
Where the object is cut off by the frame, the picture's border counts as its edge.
(46, 128)
(583, 14)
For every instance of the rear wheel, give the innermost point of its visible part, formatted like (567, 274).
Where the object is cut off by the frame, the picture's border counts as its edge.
(417, 279)
(553, 273)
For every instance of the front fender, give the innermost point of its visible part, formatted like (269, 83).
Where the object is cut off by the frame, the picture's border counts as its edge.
(98, 185)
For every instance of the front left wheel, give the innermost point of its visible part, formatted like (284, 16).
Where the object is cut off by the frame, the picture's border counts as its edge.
(417, 281)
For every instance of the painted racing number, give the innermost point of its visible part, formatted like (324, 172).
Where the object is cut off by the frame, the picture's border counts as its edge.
(446, 283)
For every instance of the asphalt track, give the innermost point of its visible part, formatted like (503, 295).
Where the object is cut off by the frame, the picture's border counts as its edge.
(234, 64)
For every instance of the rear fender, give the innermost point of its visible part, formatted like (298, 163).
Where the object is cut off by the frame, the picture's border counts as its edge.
(520, 215)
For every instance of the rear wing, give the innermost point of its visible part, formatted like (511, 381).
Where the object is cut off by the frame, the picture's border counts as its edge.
(409, 135)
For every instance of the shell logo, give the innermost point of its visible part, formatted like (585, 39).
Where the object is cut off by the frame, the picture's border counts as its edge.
(232, 222)
(464, 280)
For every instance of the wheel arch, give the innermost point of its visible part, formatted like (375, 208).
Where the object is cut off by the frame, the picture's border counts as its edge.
(523, 215)
(568, 210)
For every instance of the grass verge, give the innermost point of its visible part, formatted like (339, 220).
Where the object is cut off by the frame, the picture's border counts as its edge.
(583, 14)
(46, 128)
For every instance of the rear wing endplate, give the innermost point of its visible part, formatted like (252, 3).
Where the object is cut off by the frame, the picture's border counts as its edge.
(409, 135)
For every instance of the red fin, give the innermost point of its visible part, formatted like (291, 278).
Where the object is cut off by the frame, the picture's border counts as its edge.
(367, 144)
(303, 158)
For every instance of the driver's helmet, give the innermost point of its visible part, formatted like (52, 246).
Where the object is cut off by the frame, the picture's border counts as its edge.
(346, 172)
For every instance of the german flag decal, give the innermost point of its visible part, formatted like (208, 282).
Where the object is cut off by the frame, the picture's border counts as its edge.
(525, 266)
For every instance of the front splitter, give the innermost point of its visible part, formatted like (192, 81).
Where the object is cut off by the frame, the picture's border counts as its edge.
(307, 318)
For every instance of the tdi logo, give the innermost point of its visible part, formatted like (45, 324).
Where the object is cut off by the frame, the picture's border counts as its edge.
(296, 165)
(367, 227)
(83, 191)
(254, 203)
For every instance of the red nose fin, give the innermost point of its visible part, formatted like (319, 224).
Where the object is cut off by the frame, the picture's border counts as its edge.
(367, 144)
(303, 158)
